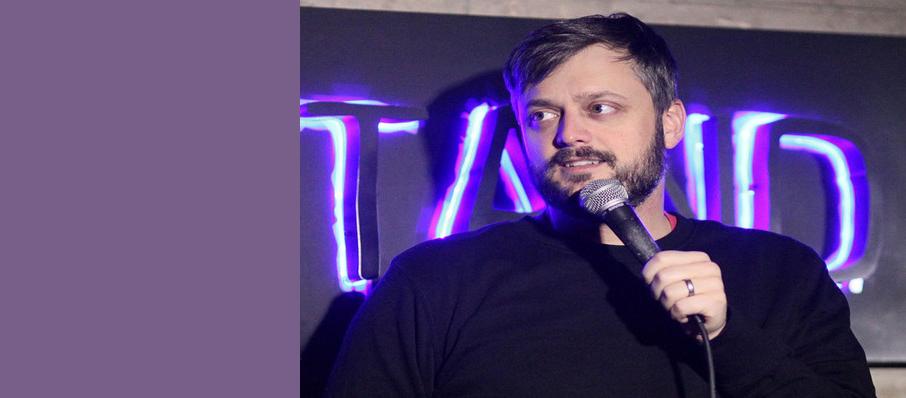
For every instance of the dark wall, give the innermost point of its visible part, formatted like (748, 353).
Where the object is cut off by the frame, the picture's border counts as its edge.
(854, 85)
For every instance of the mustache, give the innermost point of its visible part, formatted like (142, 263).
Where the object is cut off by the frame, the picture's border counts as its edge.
(586, 152)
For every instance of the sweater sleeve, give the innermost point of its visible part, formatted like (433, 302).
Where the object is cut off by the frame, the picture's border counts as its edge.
(809, 350)
(387, 348)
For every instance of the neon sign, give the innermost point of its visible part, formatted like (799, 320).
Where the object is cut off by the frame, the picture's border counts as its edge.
(338, 136)
(354, 126)
(694, 148)
(851, 185)
(451, 206)
(750, 168)
(752, 137)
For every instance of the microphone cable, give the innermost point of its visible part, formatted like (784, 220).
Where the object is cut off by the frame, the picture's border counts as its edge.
(712, 387)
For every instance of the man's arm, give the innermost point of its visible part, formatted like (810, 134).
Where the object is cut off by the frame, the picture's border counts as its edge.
(387, 350)
(806, 349)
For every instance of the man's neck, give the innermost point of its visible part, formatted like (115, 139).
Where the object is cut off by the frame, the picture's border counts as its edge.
(650, 211)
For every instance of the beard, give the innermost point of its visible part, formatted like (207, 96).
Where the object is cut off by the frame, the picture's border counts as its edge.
(640, 178)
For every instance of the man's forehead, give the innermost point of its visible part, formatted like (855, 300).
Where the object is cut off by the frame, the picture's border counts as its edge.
(598, 74)
(584, 96)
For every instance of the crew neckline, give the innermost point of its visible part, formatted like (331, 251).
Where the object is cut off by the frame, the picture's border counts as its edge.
(675, 239)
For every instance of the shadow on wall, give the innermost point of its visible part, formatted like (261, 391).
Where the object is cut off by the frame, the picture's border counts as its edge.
(447, 117)
(319, 353)
(441, 137)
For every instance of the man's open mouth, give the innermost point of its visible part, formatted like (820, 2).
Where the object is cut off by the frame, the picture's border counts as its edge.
(580, 163)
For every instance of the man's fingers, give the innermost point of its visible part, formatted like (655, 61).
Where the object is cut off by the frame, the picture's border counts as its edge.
(679, 290)
(677, 273)
(705, 305)
(671, 258)
(667, 274)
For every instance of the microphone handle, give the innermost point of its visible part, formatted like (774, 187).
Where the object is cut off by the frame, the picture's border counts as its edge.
(623, 221)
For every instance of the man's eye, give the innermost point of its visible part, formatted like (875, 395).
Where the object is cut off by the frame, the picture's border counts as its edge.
(541, 116)
(602, 108)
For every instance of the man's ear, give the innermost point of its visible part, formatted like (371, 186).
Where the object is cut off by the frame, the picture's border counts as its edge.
(674, 122)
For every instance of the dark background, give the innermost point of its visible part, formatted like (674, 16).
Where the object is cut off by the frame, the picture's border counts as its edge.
(444, 64)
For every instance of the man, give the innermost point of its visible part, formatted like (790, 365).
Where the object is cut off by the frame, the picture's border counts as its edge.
(555, 305)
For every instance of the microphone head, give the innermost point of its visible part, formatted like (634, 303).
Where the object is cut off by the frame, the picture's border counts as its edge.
(601, 196)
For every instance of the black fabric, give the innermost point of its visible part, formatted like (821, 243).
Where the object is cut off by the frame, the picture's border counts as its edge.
(516, 310)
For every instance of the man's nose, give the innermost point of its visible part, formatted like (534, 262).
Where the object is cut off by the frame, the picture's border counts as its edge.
(571, 132)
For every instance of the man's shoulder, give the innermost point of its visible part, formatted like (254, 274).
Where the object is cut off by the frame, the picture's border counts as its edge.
(508, 235)
(753, 252)
(469, 257)
(738, 238)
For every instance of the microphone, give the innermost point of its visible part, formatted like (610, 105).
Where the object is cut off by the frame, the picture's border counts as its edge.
(606, 199)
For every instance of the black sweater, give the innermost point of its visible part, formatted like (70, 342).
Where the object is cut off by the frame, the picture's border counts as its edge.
(516, 310)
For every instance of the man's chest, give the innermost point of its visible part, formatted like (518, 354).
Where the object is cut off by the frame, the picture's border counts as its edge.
(565, 342)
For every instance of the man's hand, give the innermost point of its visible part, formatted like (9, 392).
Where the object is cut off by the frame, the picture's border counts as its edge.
(666, 274)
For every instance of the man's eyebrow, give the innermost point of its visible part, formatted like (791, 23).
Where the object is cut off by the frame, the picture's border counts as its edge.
(588, 95)
(581, 97)
(540, 103)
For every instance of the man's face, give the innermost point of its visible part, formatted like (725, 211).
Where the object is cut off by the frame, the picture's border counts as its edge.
(591, 118)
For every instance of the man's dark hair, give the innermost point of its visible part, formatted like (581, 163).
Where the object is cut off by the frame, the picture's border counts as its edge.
(546, 48)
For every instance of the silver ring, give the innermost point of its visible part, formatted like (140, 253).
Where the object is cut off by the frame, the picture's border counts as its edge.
(690, 287)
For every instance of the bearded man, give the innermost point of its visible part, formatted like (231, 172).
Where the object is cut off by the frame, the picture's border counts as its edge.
(555, 305)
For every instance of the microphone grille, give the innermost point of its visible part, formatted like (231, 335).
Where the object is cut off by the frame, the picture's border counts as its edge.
(600, 196)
